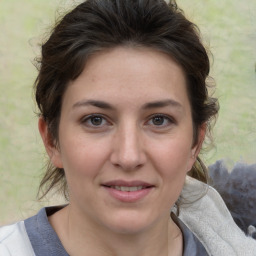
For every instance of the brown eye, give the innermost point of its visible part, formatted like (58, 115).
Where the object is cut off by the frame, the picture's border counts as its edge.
(158, 120)
(96, 120)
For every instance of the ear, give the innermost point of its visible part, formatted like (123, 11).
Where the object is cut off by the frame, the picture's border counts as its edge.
(50, 147)
(195, 150)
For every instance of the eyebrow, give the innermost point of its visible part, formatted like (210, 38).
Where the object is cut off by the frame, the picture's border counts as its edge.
(95, 103)
(162, 103)
(149, 105)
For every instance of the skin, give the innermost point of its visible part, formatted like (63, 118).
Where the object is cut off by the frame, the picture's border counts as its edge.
(129, 138)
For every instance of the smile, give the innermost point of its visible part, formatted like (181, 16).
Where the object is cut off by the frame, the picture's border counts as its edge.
(129, 192)
(127, 189)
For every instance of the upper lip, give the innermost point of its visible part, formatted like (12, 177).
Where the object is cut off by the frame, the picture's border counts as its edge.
(123, 183)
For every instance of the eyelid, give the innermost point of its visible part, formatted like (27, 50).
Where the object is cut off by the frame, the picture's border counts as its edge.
(86, 118)
(170, 119)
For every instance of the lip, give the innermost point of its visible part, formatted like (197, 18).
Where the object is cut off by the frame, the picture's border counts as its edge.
(128, 196)
(133, 183)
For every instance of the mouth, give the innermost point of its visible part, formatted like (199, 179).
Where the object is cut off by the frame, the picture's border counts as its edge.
(127, 186)
(128, 191)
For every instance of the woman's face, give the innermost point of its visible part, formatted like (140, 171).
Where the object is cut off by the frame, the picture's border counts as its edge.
(125, 139)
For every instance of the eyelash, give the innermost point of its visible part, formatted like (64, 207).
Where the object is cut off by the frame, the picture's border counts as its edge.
(166, 118)
(89, 118)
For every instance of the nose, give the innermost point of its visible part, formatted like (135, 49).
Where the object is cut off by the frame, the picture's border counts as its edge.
(128, 152)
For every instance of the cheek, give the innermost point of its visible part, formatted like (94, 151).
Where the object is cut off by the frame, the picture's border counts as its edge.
(171, 161)
(173, 156)
(83, 157)
(82, 164)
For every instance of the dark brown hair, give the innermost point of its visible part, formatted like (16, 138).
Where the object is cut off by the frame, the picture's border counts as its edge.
(95, 25)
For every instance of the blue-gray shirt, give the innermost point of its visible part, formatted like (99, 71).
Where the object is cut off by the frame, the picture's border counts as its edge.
(45, 241)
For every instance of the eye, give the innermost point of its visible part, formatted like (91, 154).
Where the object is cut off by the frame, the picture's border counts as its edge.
(95, 121)
(160, 120)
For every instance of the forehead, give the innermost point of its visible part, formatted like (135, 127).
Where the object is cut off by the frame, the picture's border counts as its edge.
(130, 74)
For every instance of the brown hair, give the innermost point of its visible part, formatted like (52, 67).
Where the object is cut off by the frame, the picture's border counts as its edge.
(95, 25)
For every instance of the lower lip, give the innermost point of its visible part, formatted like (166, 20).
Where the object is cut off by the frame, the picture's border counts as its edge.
(128, 197)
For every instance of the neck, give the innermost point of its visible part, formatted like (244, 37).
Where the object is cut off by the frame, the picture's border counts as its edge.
(84, 237)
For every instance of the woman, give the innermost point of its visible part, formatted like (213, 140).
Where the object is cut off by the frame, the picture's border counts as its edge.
(124, 110)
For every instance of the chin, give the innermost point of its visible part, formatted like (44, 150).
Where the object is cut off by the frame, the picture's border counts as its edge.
(130, 222)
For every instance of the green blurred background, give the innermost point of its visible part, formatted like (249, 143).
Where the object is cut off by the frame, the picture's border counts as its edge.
(229, 31)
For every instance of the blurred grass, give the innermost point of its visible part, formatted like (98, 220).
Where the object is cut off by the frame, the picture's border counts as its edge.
(228, 27)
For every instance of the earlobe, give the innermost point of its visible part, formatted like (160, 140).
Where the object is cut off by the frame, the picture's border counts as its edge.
(50, 147)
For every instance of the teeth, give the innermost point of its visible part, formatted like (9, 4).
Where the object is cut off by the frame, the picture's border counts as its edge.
(127, 189)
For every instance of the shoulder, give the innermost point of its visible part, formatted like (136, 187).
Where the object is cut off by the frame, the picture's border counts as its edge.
(14, 240)
(205, 213)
